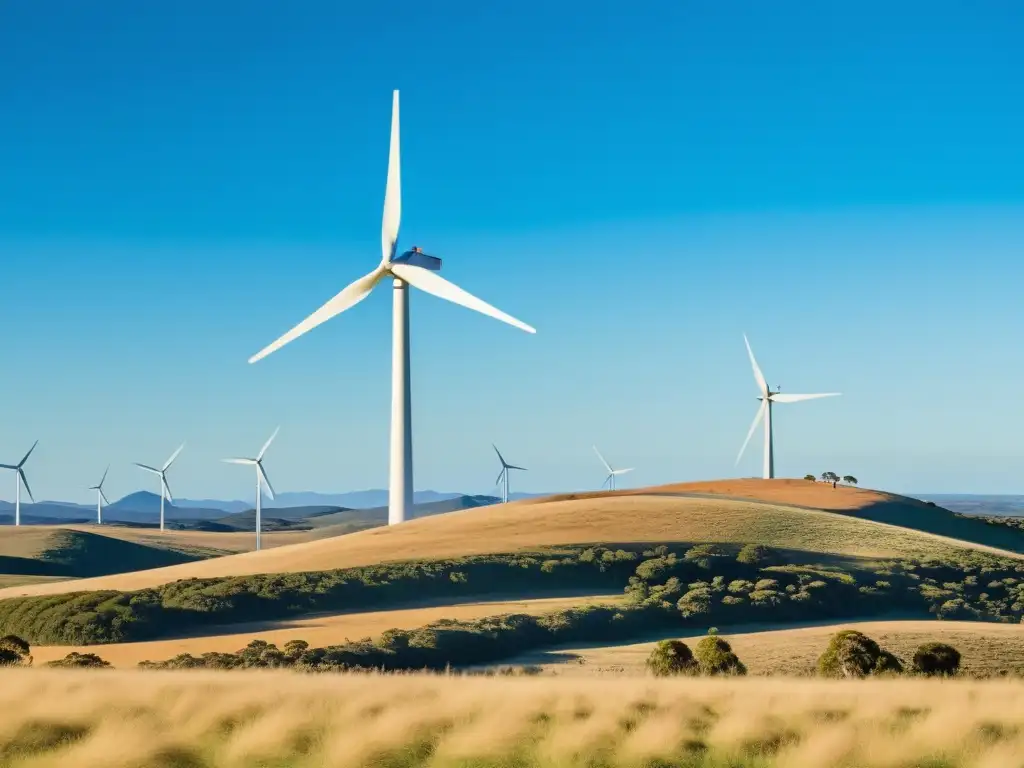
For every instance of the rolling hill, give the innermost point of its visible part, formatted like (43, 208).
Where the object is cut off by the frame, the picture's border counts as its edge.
(723, 512)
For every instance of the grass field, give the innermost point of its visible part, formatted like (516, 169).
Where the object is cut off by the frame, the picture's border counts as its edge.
(318, 631)
(117, 719)
(987, 648)
(612, 518)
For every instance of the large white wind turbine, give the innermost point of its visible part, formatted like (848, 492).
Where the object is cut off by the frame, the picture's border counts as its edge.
(261, 478)
(612, 473)
(101, 498)
(764, 411)
(410, 268)
(503, 475)
(165, 489)
(20, 479)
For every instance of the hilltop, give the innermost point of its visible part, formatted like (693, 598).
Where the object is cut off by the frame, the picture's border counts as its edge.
(714, 512)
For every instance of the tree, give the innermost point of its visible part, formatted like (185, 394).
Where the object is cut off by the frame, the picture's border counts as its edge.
(812, 478)
(830, 477)
(854, 654)
(715, 656)
(14, 651)
(849, 479)
(671, 657)
(75, 659)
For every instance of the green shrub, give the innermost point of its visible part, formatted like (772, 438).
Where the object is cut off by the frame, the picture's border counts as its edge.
(759, 555)
(14, 651)
(936, 659)
(715, 657)
(671, 657)
(853, 654)
(74, 659)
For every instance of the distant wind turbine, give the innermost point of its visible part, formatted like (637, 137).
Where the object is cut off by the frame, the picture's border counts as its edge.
(410, 268)
(20, 479)
(503, 475)
(612, 473)
(165, 489)
(261, 477)
(101, 497)
(767, 398)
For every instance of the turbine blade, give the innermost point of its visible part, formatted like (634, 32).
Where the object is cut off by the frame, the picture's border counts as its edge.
(431, 282)
(606, 464)
(266, 480)
(347, 298)
(22, 462)
(513, 466)
(267, 444)
(500, 457)
(392, 191)
(757, 371)
(607, 480)
(148, 468)
(757, 420)
(500, 475)
(103, 496)
(623, 471)
(7, 466)
(166, 488)
(24, 481)
(797, 398)
(104, 477)
(174, 455)
(248, 462)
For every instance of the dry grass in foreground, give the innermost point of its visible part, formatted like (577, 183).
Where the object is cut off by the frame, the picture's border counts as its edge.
(318, 631)
(988, 649)
(159, 720)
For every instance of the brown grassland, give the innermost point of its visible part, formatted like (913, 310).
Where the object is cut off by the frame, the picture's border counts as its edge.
(652, 515)
(316, 630)
(129, 719)
(988, 649)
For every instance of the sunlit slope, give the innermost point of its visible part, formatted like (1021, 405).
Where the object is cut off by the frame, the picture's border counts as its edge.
(609, 518)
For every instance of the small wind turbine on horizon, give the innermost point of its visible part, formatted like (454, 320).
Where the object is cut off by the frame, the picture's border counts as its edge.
(101, 498)
(20, 479)
(503, 475)
(768, 398)
(612, 473)
(261, 477)
(410, 268)
(165, 489)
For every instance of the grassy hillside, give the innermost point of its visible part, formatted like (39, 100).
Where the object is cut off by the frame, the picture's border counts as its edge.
(657, 515)
(36, 551)
(267, 718)
(988, 649)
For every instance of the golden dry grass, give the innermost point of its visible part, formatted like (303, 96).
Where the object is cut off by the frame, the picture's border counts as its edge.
(987, 648)
(318, 631)
(615, 517)
(124, 719)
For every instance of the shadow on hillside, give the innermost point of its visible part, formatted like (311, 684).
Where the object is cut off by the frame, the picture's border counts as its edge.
(911, 513)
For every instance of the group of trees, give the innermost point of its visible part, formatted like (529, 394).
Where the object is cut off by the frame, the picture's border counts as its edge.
(850, 654)
(832, 477)
(15, 652)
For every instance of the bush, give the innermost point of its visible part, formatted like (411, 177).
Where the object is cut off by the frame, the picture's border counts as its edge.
(758, 554)
(936, 659)
(14, 651)
(854, 654)
(671, 657)
(715, 657)
(74, 659)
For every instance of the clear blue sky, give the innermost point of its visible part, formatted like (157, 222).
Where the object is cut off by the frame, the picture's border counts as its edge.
(182, 182)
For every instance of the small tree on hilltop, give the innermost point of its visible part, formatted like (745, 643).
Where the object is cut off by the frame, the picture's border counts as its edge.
(671, 657)
(830, 477)
(715, 656)
(937, 659)
(849, 479)
(812, 478)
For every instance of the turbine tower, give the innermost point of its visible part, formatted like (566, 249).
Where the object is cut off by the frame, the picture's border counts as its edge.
(101, 497)
(261, 477)
(612, 473)
(20, 479)
(165, 489)
(764, 411)
(503, 475)
(410, 268)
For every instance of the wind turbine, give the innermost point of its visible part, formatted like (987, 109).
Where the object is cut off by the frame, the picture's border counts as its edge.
(101, 497)
(410, 268)
(767, 398)
(165, 489)
(612, 473)
(503, 475)
(20, 480)
(261, 477)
